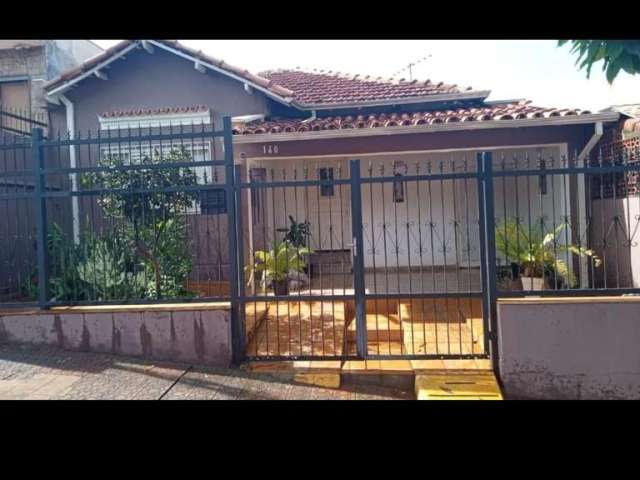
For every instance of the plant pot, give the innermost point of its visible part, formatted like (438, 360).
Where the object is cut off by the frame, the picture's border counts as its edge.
(281, 287)
(532, 283)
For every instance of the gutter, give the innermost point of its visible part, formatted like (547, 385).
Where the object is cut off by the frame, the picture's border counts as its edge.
(584, 205)
(71, 128)
(440, 127)
(597, 135)
(311, 118)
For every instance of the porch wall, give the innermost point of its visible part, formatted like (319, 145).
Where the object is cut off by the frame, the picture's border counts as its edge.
(441, 216)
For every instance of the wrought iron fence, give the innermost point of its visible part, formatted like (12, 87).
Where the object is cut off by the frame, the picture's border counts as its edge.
(567, 225)
(137, 215)
(390, 258)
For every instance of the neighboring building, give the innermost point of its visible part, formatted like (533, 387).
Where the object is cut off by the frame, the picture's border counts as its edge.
(25, 66)
(630, 126)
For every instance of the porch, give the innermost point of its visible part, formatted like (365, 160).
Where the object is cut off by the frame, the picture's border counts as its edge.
(418, 215)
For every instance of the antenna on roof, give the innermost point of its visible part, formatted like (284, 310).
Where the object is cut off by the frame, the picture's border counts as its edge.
(410, 67)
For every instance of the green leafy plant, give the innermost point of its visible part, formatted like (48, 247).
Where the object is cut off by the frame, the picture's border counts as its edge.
(616, 55)
(277, 263)
(63, 255)
(297, 233)
(156, 231)
(538, 253)
(109, 271)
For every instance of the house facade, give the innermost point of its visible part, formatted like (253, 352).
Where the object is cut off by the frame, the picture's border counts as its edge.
(403, 191)
(288, 122)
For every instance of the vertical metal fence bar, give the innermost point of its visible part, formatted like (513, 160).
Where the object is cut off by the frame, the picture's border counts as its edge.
(41, 216)
(234, 260)
(241, 294)
(491, 257)
(358, 257)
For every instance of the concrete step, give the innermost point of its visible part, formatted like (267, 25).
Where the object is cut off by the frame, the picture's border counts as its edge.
(387, 373)
(457, 385)
(380, 328)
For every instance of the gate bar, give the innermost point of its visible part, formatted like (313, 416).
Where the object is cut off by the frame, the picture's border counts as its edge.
(236, 338)
(358, 257)
(488, 255)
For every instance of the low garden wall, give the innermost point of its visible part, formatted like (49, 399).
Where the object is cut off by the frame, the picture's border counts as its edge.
(570, 348)
(194, 333)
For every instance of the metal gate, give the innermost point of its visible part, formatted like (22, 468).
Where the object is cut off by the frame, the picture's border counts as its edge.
(353, 261)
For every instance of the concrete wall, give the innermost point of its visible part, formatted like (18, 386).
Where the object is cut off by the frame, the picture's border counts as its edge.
(199, 335)
(580, 348)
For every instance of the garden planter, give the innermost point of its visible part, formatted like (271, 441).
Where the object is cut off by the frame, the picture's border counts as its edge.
(281, 287)
(532, 283)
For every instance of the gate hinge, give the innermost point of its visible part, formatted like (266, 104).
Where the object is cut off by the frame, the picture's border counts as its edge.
(492, 335)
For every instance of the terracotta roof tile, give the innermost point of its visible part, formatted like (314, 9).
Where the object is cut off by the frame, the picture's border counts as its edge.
(501, 112)
(325, 88)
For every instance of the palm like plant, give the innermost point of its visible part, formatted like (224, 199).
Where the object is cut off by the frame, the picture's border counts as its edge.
(277, 263)
(537, 252)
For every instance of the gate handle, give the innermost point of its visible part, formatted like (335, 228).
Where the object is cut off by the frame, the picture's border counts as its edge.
(354, 247)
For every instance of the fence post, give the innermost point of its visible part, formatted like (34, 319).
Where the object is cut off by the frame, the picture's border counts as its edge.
(41, 216)
(358, 257)
(239, 346)
(229, 179)
(490, 244)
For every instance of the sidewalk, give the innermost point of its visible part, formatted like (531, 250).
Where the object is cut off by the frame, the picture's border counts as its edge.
(39, 373)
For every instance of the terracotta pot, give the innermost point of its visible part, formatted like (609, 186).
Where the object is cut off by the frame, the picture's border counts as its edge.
(532, 283)
(281, 287)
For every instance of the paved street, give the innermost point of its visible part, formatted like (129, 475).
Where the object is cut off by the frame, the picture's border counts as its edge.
(39, 373)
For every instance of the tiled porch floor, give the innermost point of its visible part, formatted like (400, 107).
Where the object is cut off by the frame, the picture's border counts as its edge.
(444, 326)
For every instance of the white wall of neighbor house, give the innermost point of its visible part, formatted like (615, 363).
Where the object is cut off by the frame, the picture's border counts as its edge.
(428, 219)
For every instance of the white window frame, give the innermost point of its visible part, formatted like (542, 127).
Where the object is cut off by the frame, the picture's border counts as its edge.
(156, 120)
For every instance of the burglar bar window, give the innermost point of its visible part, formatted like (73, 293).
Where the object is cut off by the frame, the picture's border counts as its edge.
(326, 190)
(213, 201)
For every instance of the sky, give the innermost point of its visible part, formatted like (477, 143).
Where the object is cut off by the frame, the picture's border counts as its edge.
(533, 69)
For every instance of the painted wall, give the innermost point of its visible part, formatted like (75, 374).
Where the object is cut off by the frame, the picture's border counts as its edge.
(570, 348)
(183, 334)
(161, 79)
(437, 220)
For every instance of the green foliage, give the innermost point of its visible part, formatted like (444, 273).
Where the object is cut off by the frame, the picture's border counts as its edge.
(155, 229)
(144, 250)
(298, 233)
(144, 209)
(63, 255)
(109, 271)
(538, 252)
(616, 54)
(275, 264)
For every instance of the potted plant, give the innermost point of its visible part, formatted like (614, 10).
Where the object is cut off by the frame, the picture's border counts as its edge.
(297, 234)
(539, 255)
(276, 264)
